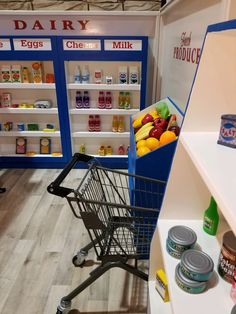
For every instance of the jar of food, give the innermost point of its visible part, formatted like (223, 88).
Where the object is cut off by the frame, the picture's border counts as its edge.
(227, 259)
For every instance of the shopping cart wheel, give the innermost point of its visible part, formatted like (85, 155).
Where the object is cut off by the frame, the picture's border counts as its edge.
(79, 259)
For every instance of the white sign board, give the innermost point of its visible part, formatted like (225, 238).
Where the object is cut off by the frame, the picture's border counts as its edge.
(88, 44)
(5, 44)
(32, 44)
(183, 30)
(126, 45)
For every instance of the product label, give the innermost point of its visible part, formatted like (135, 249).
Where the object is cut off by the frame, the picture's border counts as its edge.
(32, 44)
(74, 44)
(5, 44)
(228, 132)
(126, 45)
(208, 223)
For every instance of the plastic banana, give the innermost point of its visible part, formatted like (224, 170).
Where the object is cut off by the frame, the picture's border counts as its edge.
(143, 134)
(144, 127)
(138, 122)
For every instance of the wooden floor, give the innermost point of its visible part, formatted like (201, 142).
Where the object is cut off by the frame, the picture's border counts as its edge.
(38, 238)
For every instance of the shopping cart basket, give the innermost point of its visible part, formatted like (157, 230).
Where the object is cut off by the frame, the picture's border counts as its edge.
(117, 209)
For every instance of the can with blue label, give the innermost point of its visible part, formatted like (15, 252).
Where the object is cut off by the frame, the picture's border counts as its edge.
(227, 135)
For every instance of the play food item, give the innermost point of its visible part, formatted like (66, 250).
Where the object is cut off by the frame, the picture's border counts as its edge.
(181, 238)
(167, 137)
(147, 118)
(37, 72)
(211, 218)
(143, 150)
(21, 145)
(16, 73)
(233, 288)
(137, 123)
(156, 132)
(6, 73)
(188, 285)
(161, 123)
(196, 265)
(161, 285)
(163, 110)
(115, 124)
(227, 259)
(50, 78)
(121, 124)
(227, 135)
(174, 253)
(152, 143)
(25, 75)
(45, 146)
(141, 143)
(143, 133)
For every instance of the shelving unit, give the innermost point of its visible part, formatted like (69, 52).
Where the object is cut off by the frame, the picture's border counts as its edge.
(202, 168)
(117, 87)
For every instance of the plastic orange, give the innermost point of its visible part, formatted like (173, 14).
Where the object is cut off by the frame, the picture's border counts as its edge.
(141, 143)
(143, 150)
(152, 143)
(167, 137)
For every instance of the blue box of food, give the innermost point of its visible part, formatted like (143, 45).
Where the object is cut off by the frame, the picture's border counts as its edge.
(227, 135)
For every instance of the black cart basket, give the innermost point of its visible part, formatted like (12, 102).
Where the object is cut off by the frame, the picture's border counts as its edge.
(119, 211)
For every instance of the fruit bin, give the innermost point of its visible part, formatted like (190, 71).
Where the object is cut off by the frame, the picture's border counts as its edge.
(157, 163)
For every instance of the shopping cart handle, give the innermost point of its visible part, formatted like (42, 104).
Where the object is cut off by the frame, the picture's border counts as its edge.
(54, 187)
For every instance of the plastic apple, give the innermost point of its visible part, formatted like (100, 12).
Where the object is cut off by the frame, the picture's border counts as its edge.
(175, 129)
(156, 132)
(160, 122)
(147, 118)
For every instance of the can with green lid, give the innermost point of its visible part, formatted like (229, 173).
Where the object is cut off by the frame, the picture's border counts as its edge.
(196, 265)
(187, 284)
(227, 259)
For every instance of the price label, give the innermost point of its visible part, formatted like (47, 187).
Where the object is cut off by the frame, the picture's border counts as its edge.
(5, 44)
(32, 44)
(72, 44)
(127, 45)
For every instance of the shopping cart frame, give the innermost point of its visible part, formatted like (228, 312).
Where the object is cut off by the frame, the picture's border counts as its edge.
(119, 225)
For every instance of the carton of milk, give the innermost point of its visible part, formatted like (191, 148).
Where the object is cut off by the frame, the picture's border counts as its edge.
(123, 75)
(133, 75)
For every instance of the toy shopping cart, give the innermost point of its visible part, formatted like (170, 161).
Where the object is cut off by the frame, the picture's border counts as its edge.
(119, 211)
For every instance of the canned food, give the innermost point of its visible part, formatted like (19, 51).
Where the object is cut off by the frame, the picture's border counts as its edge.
(227, 259)
(196, 265)
(227, 135)
(172, 252)
(187, 284)
(181, 238)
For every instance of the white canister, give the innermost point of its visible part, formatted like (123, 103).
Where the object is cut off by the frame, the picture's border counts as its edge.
(133, 75)
(123, 75)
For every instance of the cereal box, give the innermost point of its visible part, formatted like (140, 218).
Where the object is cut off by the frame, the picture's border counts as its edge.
(6, 73)
(16, 73)
(37, 72)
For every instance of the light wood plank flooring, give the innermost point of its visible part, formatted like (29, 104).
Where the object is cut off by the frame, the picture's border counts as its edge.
(38, 238)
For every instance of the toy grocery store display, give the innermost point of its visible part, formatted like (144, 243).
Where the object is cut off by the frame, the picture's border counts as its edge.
(155, 128)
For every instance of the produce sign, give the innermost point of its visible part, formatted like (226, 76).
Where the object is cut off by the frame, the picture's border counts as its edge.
(154, 129)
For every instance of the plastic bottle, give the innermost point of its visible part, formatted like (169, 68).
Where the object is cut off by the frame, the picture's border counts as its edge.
(91, 123)
(82, 149)
(97, 124)
(101, 100)
(86, 100)
(85, 76)
(127, 101)
(121, 100)
(78, 100)
(121, 150)
(115, 124)
(211, 218)
(121, 125)
(108, 100)
(77, 75)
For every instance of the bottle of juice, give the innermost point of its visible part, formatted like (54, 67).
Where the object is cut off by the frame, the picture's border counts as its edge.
(127, 100)
(78, 100)
(86, 100)
(121, 100)
(115, 124)
(121, 124)
(108, 100)
(121, 150)
(91, 123)
(82, 149)
(211, 218)
(101, 100)
(97, 124)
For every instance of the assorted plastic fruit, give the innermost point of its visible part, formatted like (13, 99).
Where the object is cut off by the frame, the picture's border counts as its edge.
(154, 129)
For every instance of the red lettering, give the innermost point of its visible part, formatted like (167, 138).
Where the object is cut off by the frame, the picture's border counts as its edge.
(198, 55)
(37, 25)
(53, 24)
(23, 43)
(193, 59)
(83, 24)
(1, 44)
(67, 25)
(116, 45)
(130, 46)
(184, 54)
(188, 54)
(19, 24)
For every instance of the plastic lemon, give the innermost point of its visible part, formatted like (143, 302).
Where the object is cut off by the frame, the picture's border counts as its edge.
(141, 143)
(152, 143)
(143, 150)
(167, 137)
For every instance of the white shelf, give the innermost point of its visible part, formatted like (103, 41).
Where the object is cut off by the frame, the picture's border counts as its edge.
(30, 133)
(104, 111)
(24, 155)
(109, 156)
(119, 87)
(156, 304)
(216, 165)
(28, 110)
(217, 295)
(101, 134)
(27, 86)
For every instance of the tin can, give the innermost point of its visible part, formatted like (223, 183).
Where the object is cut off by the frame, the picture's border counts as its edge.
(227, 135)
(227, 258)
(172, 252)
(196, 265)
(187, 284)
(181, 238)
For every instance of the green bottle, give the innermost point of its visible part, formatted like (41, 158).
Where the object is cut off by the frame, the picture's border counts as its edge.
(211, 218)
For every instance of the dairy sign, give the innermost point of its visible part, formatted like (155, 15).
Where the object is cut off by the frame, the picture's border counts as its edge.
(184, 51)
